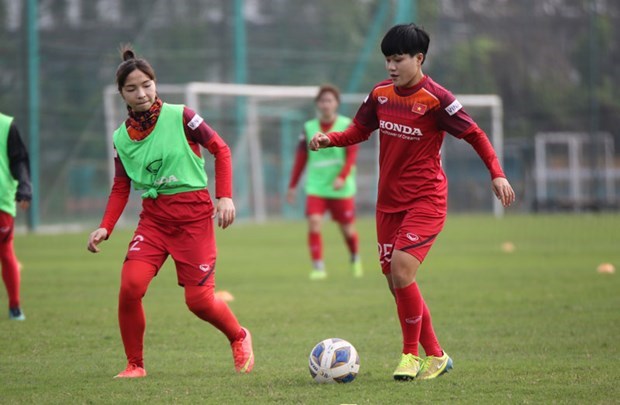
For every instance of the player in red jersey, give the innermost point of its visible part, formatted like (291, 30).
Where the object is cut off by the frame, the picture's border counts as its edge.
(15, 190)
(330, 182)
(158, 149)
(412, 114)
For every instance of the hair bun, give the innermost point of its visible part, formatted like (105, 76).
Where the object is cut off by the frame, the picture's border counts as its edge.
(127, 52)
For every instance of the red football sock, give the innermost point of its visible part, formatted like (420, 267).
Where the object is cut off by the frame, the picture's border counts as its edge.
(352, 243)
(135, 279)
(315, 244)
(409, 304)
(204, 305)
(10, 272)
(428, 339)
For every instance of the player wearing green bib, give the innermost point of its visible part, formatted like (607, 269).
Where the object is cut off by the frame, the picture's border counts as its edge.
(15, 190)
(158, 149)
(330, 182)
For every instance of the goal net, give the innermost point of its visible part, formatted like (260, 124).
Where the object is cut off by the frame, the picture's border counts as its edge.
(262, 124)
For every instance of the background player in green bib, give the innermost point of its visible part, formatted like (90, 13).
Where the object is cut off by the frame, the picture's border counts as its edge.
(15, 190)
(330, 182)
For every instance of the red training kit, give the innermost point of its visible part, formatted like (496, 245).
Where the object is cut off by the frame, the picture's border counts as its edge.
(8, 260)
(412, 191)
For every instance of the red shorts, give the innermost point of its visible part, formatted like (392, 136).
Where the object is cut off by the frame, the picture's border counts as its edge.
(7, 225)
(341, 209)
(412, 231)
(191, 245)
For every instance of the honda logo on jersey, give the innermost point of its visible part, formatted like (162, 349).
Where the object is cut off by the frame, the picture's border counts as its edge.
(403, 129)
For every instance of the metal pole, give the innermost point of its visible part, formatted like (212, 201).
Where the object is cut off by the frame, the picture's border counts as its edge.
(33, 110)
(406, 11)
(593, 82)
(240, 71)
(240, 43)
(371, 38)
(497, 129)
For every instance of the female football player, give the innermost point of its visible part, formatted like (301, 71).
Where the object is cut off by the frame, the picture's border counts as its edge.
(413, 114)
(15, 189)
(330, 182)
(158, 149)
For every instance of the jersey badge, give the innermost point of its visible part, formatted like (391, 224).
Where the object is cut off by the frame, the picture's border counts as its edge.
(419, 108)
(454, 107)
(382, 99)
(195, 122)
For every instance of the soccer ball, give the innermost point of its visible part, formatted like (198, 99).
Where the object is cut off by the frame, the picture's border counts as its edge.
(334, 360)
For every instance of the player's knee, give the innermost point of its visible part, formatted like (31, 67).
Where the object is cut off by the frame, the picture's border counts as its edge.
(314, 223)
(403, 268)
(199, 298)
(348, 230)
(131, 290)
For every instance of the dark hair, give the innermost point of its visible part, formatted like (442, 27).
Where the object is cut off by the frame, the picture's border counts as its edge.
(405, 39)
(328, 88)
(129, 64)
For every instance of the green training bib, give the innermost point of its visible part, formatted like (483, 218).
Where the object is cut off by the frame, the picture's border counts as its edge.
(163, 162)
(8, 184)
(326, 164)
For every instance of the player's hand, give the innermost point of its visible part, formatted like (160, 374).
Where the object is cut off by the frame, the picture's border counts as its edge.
(95, 238)
(225, 212)
(23, 204)
(338, 183)
(503, 191)
(319, 141)
(291, 196)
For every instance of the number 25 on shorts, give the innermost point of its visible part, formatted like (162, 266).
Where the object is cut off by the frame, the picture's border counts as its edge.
(385, 252)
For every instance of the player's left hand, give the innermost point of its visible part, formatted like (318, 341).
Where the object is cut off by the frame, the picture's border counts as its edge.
(503, 191)
(338, 183)
(96, 237)
(225, 212)
(23, 204)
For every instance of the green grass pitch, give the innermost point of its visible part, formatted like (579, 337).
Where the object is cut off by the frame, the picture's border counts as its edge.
(538, 325)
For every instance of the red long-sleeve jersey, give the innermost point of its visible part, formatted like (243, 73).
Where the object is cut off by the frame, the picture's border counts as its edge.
(412, 124)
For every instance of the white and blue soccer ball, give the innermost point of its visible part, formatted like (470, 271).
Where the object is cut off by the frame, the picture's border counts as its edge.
(334, 361)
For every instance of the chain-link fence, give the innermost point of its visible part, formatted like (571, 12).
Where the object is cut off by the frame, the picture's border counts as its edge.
(554, 63)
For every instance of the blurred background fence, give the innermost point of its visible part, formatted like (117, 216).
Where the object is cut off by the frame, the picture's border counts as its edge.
(555, 64)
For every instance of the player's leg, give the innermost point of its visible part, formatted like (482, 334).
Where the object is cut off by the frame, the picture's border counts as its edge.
(204, 305)
(194, 252)
(409, 305)
(388, 228)
(437, 362)
(416, 235)
(10, 266)
(145, 255)
(315, 209)
(135, 278)
(343, 212)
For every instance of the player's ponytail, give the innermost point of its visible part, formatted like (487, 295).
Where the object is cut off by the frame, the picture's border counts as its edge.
(130, 63)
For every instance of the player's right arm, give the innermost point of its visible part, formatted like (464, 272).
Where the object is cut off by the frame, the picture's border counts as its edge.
(301, 158)
(119, 195)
